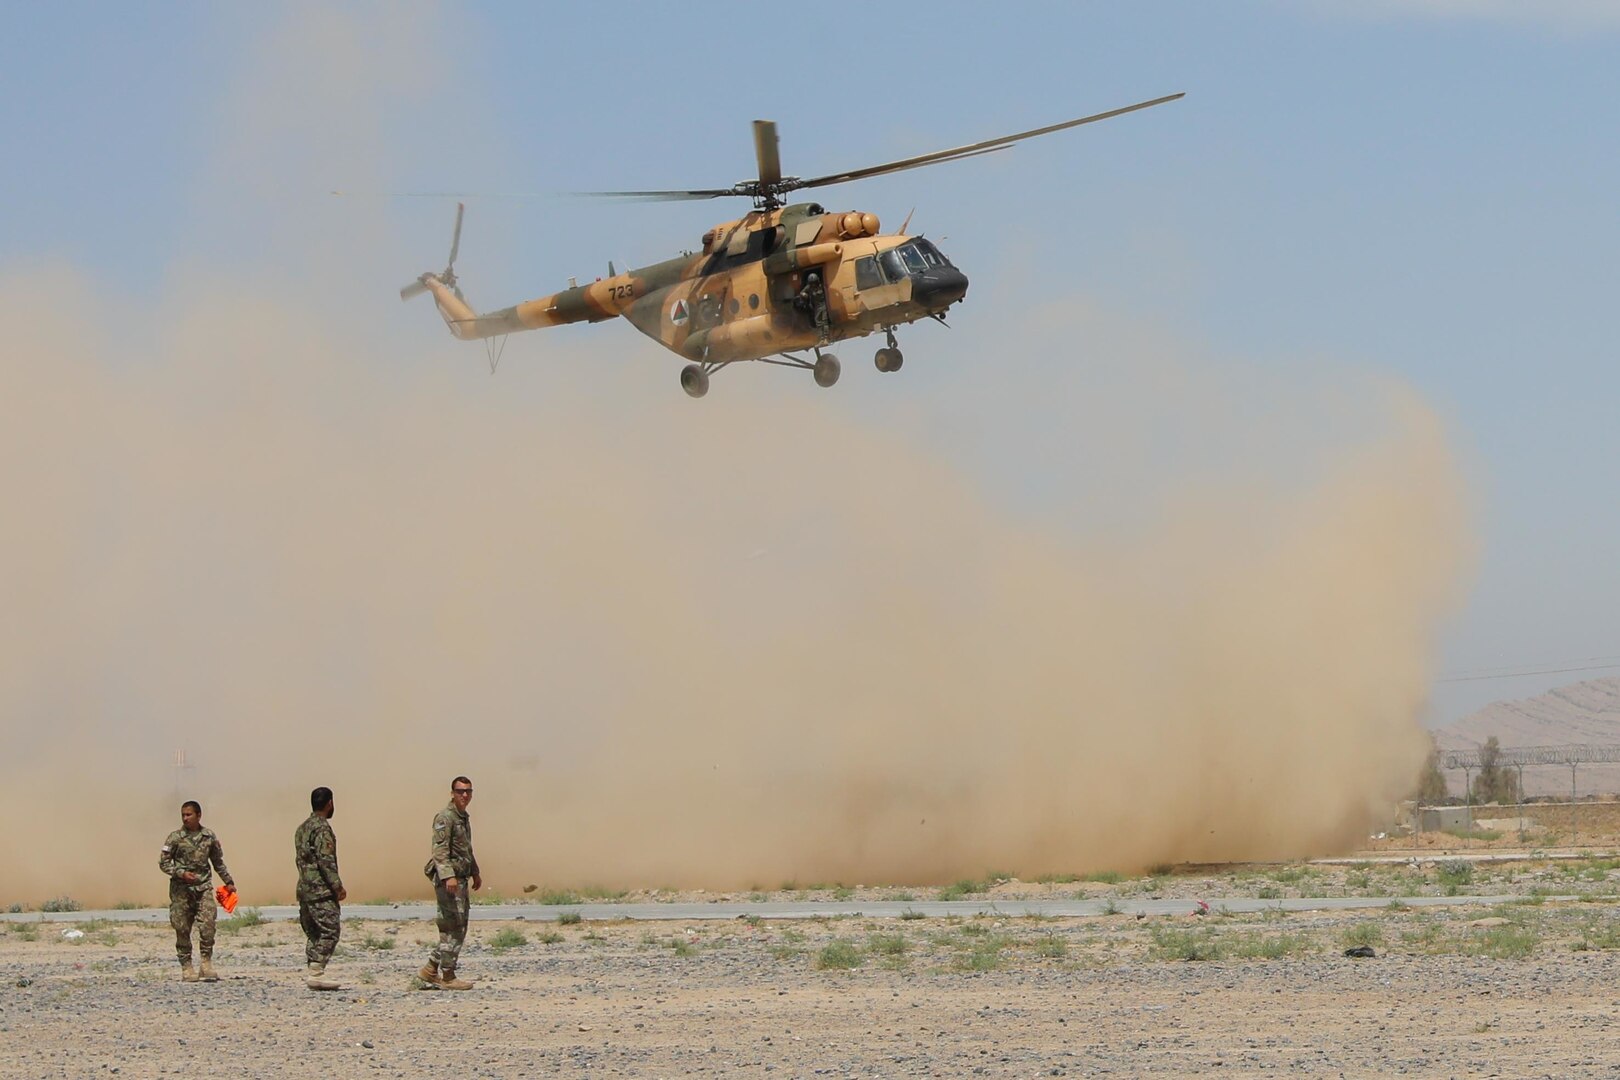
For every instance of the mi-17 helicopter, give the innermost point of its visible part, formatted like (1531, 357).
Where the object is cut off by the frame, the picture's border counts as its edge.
(781, 282)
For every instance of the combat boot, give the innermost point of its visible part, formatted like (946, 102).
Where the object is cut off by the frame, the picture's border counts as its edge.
(449, 981)
(429, 974)
(317, 979)
(187, 972)
(207, 973)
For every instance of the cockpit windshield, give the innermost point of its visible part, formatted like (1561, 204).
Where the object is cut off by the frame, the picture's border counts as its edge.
(911, 258)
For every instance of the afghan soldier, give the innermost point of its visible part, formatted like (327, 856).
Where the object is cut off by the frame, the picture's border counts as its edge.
(186, 857)
(320, 889)
(452, 864)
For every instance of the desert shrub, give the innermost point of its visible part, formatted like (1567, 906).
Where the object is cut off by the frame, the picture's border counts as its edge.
(558, 897)
(1185, 945)
(548, 937)
(61, 903)
(377, 944)
(1051, 946)
(506, 938)
(1269, 946)
(1104, 877)
(568, 918)
(965, 887)
(1504, 943)
(241, 920)
(1362, 934)
(839, 955)
(1453, 874)
(888, 944)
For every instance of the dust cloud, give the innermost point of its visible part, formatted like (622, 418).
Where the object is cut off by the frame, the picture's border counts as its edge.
(673, 643)
(257, 511)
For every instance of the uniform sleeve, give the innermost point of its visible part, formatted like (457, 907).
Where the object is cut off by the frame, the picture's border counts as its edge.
(471, 855)
(216, 855)
(441, 847)
(166, 861)
(326, 859)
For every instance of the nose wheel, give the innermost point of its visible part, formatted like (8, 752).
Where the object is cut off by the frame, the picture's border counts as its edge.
(888, 359)
(694, 380)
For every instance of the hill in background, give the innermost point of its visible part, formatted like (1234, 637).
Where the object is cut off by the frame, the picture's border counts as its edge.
(1583, 712)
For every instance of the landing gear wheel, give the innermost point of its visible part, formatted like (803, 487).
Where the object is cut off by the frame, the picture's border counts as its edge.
(695, 381)
(826, 369)
(888, 359)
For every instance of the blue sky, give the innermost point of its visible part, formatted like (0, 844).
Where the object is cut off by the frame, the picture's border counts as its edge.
(1423, 190)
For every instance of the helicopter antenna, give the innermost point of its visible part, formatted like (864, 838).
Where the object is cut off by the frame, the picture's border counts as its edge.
(907, 222)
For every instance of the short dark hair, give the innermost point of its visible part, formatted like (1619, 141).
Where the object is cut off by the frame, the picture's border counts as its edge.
(461, 780)
(194, 804)
(319, 798)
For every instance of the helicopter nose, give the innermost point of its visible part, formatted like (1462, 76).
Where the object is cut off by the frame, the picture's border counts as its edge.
(939, 287)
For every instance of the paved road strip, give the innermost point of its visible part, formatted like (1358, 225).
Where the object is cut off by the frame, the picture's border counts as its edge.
(786, 909)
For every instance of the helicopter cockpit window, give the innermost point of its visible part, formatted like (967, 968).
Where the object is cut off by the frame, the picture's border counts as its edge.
(867, 275)
(931, 254)
(893, 269)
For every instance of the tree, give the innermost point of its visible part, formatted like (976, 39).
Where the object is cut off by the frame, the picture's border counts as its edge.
(1432, 786)
(1496, 782)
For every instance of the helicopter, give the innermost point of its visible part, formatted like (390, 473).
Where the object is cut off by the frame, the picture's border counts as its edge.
(778, 285)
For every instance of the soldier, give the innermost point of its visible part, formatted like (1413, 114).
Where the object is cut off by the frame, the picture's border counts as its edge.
(320, 889)
(186, 857)
(452, 864)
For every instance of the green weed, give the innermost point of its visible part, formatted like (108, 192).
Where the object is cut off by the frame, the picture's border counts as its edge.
(1362, 934)
(839, 955)
(506, 938)
(1185, 945)
(241, 920)
(568, 918)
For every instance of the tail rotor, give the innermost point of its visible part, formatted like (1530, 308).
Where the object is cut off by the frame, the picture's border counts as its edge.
(446, 277)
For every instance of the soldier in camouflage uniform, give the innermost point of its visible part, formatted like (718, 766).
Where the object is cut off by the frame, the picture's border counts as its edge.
(186, 857)
(320, 889)
(450, 867)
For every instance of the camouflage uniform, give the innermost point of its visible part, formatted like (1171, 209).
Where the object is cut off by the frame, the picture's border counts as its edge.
(315, 854)
(192, 902)
(452, 858)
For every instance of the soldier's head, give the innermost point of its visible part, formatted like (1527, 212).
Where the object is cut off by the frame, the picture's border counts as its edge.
(320, 801)
(461, 792)
(191, 815)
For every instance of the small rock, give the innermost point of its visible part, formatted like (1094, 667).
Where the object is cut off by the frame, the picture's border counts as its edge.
(368, 1044)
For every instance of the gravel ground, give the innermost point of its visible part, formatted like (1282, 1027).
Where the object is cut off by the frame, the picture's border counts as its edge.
(1534, 995)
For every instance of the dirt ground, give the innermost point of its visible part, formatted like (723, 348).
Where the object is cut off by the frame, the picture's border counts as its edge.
(1536, 995)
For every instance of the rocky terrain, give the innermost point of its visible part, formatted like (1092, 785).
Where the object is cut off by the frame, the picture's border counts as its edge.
(1519, 989)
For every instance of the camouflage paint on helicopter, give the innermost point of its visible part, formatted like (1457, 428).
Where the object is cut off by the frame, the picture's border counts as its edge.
(779, 281)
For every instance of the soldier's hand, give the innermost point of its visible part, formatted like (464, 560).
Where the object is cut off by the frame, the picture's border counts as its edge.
(343, 894)
(452, 886)
(187, 876)
(478, 882)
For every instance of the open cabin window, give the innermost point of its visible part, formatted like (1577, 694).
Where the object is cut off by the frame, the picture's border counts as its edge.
(867, 274)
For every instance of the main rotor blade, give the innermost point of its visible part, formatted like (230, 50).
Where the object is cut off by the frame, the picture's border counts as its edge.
(973, 149)
(766, 153)
(655, 196)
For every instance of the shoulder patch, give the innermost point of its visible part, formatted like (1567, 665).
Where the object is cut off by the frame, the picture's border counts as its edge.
(164, 849)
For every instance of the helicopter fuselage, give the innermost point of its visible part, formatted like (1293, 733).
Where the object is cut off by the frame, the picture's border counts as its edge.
(774, 281)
